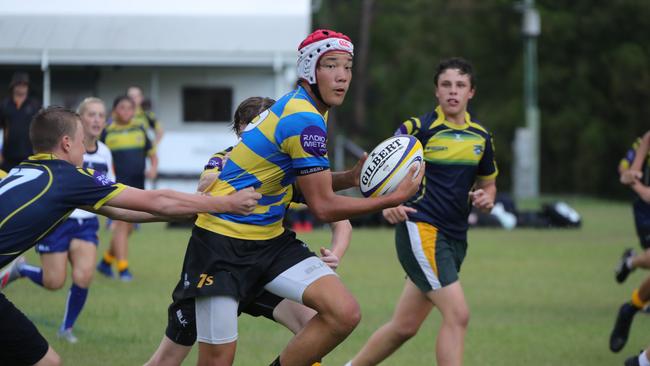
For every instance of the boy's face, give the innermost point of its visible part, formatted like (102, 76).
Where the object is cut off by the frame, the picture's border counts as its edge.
(333, 76)
(94, 119)
(124, 111)
(454, 91)
(136, 95)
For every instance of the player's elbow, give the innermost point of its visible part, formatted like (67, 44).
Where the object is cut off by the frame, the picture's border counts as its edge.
(323, 213)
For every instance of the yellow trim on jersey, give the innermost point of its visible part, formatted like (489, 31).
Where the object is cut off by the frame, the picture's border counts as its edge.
(237, 230)
(118, 190)
(2, 174)
(428, 237)
(492, 176)
(47, 188)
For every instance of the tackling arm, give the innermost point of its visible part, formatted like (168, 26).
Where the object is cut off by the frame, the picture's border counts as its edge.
(165, 202)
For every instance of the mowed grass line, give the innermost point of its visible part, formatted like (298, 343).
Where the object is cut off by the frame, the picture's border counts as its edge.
(537, 297)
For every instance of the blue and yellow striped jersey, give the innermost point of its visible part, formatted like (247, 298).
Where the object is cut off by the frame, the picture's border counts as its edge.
(287, 140)
(456, 156)
(130, 147)
(42, 192)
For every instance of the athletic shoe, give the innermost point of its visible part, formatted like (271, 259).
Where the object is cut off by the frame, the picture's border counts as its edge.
(622, 270)
(11, 273)
(67, 335)
(632, 361)
(621, 330)
(126, 276)
(105, 269)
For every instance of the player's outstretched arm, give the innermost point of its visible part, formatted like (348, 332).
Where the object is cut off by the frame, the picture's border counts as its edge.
(122, 214)
(327, 206)
(165, 202)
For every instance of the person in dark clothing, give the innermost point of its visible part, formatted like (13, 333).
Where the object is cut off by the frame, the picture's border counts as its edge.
(16, 113)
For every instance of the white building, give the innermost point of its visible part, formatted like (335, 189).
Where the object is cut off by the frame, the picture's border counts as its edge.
(207, 55)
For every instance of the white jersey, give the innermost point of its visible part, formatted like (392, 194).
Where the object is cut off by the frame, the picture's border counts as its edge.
(100, 160)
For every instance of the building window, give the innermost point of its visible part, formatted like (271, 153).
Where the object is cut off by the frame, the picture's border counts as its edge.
(207, 104)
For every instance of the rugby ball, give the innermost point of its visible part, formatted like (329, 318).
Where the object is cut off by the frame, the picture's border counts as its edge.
(388, 164)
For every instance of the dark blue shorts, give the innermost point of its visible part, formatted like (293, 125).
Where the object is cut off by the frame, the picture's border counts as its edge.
(59, 240)
(642, 222)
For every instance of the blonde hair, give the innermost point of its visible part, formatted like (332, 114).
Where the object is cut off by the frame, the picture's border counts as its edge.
(84, 104)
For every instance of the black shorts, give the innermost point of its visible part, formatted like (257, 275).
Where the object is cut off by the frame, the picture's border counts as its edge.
(217, 265)
(20, 341)
(181, 316)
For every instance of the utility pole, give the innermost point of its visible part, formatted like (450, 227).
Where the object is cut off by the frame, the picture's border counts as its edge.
(527, 140)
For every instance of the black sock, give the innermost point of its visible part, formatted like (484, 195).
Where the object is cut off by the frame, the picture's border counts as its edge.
(276, 362)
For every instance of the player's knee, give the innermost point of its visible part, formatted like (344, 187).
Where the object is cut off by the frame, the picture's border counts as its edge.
(405, 330)
(82, 276)
(460, 317)
(347, 316)
(53, 281)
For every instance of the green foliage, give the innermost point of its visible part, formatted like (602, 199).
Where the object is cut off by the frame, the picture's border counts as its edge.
(537, 297)
(594, 77)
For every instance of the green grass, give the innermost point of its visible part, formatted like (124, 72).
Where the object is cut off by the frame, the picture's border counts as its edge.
(537, 297)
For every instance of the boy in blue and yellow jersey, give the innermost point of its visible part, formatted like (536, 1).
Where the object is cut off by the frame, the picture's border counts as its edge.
(634, 171)
(130, 147)
(41, 192)
(230, 258)
(431, 231)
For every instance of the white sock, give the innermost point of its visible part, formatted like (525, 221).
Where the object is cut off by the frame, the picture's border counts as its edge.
(643, 359)
(628, 262)
(348, 364)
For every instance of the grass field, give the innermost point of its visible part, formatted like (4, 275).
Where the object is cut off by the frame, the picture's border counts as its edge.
(537, 297)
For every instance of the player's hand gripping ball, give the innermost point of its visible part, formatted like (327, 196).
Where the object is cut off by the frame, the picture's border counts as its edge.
(388, 164)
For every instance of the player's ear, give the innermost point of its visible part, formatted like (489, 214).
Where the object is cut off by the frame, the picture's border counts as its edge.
(66, 143)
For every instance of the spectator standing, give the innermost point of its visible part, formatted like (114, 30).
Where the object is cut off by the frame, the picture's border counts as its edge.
(16, 113)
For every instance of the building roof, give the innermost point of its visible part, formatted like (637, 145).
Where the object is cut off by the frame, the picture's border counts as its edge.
(147, 32)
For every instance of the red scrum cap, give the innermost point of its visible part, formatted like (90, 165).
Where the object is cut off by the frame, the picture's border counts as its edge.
(317, 44)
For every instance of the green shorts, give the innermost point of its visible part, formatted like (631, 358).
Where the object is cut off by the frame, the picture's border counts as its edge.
(431, 259)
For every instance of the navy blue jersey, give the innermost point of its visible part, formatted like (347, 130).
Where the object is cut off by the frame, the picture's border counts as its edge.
(39, 194)
(456, 157)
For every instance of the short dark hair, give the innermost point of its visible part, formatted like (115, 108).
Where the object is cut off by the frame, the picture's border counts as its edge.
(50, 125)
(459, 63)
(249, 109)
(121, 98)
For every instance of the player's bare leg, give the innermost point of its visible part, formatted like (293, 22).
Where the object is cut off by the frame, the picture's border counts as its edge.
(54, 269)
(450, 300)
(338, 315)
(292, 315)
(51, 358)
(83, 255)
(168, 353)
(412, 309)
(216, 354)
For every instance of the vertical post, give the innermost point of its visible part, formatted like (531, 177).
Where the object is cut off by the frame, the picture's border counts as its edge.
(45, 68)
(527, 168)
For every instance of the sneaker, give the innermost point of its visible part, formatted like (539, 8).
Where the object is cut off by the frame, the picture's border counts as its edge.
(105, 269)
(632, 361)
(126, 276)
(11, 273)
(621, 330)
(622, 270)
(67, 335)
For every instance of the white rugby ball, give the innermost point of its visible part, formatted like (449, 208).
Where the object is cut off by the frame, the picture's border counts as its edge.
(388, 164)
